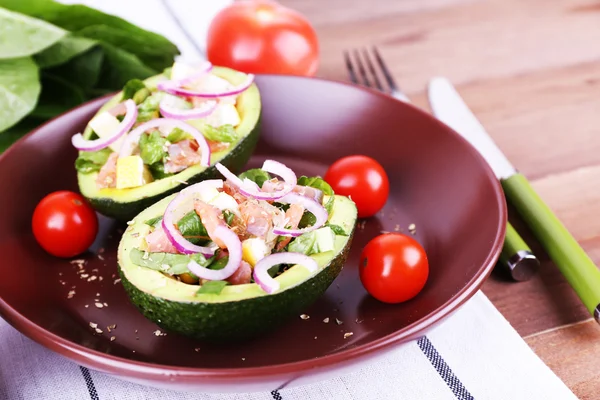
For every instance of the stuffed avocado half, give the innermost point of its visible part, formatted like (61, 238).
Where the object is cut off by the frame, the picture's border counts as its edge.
(168, 154)
(267, 249)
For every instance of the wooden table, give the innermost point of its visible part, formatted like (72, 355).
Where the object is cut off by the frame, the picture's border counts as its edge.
(530, 70)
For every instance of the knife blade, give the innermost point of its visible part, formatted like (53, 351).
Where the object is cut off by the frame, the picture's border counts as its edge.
(566, 253)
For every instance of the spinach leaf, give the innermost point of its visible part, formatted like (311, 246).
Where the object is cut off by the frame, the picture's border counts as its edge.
(24, 36)
(219, 264)
(172, 264)
(83, 70)
(318, 183)
(338, 230)
(158, 170)
(304, 244)
(228, 215)
(192, 228)
(256, 175)
(212, 287)
(63, 50)
(131, 88)
(152, 48)
(152, 147)
(224, 133)
(149, 108)
(178, 135)
(19, 90)
(121, 66)
(58, 95)
(91, 161)
(154, 221)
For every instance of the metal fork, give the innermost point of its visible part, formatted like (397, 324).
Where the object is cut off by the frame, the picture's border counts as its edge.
(370, 76)
(516, 257)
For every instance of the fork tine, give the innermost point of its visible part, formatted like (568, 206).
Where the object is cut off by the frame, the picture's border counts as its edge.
(386, 72)
(350, 68)
(372, 69)
(361, 69)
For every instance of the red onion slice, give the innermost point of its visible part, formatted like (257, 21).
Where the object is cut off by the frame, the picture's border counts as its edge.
(177, 208)
(310, 192)
(134, 137)
(310, 205)
(131, 113)
(168, 110)
(261, 269)
(252, 190)
(178, 90)
(234, 248)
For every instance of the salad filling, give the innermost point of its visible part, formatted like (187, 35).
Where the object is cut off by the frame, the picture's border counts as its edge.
(244, 229)
(156, 133)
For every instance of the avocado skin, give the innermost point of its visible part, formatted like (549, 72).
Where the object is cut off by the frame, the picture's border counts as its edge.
(242, 320)
(234, 161)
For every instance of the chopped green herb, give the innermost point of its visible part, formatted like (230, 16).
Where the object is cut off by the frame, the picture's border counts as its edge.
(149, 108)
(131, 88)
(172, 264)
(224, 133)
(256, 175)
(92, 161)
(152, 147)
(219, 264)
(228, 215)
(212, 287)
(305, 244)
(154, 221)
(338, 230)
(178, 135)
(158, 170)
(192, 228)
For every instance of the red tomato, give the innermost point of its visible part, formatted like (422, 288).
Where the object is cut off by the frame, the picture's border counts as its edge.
(363, 179)
(393, 267)
(64, 224)
(262, 36)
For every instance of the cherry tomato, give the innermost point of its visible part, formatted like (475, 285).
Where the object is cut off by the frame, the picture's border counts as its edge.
(261, 36)
(64, 224)
(393, 267)
(363, 179)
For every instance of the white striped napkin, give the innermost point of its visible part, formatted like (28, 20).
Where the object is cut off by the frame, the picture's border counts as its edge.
(475, 354)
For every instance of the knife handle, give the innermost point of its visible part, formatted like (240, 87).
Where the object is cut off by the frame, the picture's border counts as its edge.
(572, 261)
(517, 257)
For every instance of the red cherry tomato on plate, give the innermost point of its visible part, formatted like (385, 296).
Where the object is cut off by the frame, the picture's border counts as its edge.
(64, 224)
(363, 179)
(263, 37)
(393, 267)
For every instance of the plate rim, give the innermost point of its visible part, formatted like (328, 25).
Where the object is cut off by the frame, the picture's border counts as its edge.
(101, 361)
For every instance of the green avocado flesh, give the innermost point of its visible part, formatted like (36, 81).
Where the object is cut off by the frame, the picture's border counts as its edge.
(239, 310)
(124, 204)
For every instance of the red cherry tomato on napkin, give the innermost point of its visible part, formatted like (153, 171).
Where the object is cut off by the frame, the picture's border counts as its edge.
(363, 179)
(64, 224)
(261, 36)
(393, 267)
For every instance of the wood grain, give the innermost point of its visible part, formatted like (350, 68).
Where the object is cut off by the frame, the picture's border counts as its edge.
(530, 71)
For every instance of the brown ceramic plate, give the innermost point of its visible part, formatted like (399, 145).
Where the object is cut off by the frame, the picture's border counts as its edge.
(438, 182)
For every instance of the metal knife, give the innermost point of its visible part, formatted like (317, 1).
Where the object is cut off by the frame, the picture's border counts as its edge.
(579, 270)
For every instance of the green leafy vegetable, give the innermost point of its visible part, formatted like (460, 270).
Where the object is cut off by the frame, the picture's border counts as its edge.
(228, 215)
(48, 104)
(338, 230)
(192, 228)
(64, 50)
(172, 264)
(256, 175)
(318, 183)
(224, 133)
(19, 90)
(212, 287)
(305, 244)
(178, 135)
(83, 70)
(158, 170)
(131, 88)
(23, 36)
(149, 108)
(91, 161)
(154, 221)
(219, 264)
(152, 147)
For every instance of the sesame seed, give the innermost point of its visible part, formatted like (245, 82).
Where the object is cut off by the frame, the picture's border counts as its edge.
(412, 228)
(304, 316)
(105, 305)
(92, 278)
(99, 305)
(243, 359)
(337, 321)
(384, 232)
(100, 257)
(83, 276)
(87, 306)
(159, 333)
(315, 338)
(348, 334)
(397, 227)
(117, 281)
(100, 278)
(71, 294)
(197, 349)
(98, 330)
(130, 222)
(93, 325)
(113, 338)
(326, 320)
(78, 261)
